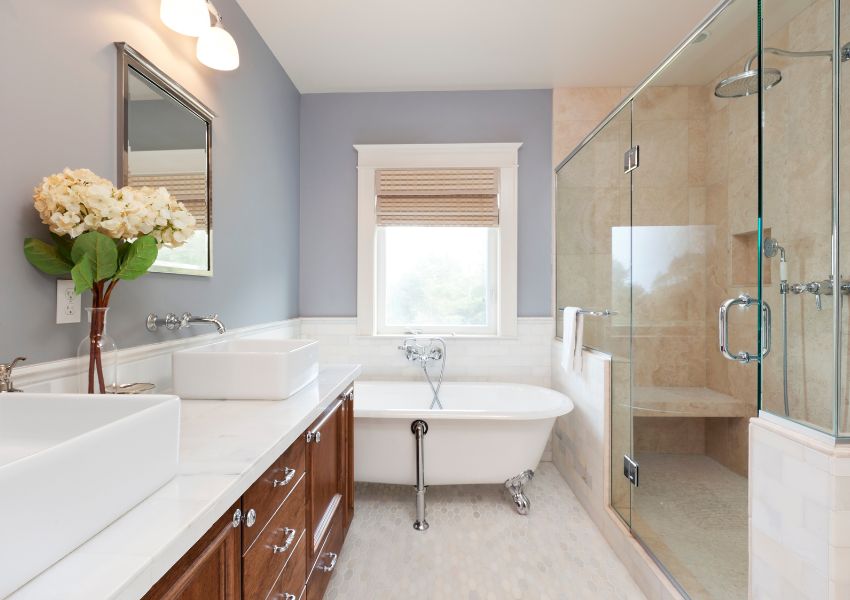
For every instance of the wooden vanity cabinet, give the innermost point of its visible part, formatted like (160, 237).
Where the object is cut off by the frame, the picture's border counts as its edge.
(299, 511)
(210, 570)
(326, 465)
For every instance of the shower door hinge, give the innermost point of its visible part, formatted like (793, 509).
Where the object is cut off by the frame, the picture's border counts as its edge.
(631, 470)
(631, 159)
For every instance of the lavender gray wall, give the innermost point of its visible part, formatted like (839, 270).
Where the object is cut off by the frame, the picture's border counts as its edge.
(58, 107)
(332, 123)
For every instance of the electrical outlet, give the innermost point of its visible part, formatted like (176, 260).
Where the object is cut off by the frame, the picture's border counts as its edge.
(67, 302)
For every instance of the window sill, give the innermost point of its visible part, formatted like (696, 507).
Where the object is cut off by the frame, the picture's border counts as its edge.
(447, 336)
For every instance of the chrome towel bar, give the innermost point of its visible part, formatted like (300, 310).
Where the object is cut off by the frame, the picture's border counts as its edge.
(594, 313)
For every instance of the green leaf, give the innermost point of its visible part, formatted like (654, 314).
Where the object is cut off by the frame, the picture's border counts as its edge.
(123, 248)
(83, 275)
(101, 252)
(64, 244)
(46, 258)
(139, 257)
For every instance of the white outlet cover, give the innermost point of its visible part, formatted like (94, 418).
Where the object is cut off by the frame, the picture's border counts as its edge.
(67, 302)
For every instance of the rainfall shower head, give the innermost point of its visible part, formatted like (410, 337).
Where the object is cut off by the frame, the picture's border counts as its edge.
(747, 83)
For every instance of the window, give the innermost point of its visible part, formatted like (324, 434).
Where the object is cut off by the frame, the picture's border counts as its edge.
(437, 239)
(437, 279)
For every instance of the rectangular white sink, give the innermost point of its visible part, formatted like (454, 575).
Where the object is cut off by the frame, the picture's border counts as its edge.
(246, 369)
(71, 464)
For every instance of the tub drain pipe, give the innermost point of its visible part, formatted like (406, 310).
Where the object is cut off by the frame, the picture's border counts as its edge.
(419, 429)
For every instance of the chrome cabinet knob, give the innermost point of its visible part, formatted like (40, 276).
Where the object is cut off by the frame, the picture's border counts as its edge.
(251, 518)
(288, 475)
(314, 436)
(287, 541)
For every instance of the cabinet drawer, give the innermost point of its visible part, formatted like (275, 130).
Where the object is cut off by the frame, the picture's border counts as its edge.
(323, 568)
(272, 488)
(326, 473)
(290, 584)
(264, 561)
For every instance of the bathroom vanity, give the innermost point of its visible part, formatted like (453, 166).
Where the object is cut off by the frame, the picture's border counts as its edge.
(281, 539)
(259, 507)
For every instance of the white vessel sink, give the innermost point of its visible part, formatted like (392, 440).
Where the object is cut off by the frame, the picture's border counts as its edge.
(71, 464)
(248, 369)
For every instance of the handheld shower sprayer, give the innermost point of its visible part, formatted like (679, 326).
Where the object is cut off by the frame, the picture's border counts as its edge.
(771, 248)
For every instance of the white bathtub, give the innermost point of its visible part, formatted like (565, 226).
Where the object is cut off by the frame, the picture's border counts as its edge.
(486, 432)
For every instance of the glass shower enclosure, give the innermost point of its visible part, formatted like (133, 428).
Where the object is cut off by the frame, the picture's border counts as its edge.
(708, 242)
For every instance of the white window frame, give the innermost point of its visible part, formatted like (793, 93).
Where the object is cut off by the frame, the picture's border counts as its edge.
(373, 157)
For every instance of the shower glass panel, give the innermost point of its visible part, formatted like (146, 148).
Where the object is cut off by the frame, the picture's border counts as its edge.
(664, 245)
(843, 420)
(695, 244)
(593, 262)
(798, 376)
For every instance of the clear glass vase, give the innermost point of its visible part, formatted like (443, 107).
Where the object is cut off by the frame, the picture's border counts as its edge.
(99, 355)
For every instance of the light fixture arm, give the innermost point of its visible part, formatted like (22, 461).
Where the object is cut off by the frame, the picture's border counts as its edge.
(214, 12)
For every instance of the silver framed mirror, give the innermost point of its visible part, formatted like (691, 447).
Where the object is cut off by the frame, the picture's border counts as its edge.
(165, 139)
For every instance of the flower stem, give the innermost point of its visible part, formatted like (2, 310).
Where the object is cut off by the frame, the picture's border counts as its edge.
(95, 335)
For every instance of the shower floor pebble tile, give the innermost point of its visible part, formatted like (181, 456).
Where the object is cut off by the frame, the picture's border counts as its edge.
(478, 547)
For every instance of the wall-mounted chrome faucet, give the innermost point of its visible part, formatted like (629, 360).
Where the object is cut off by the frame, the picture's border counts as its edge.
(174, 323)
(818, 289)
(189, 318)
(6, 384)
(425, 351)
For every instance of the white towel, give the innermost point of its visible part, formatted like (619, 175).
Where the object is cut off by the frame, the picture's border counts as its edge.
(572, 339)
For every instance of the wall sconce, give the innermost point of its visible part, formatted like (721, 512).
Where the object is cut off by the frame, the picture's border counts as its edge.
(216, 48)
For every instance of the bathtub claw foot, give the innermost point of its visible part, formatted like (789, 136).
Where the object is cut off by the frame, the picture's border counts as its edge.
(516, 486)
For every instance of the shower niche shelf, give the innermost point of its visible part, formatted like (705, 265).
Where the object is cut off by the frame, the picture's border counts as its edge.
(744, 254)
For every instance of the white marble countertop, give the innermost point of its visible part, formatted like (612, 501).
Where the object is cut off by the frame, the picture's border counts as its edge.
(224, 447)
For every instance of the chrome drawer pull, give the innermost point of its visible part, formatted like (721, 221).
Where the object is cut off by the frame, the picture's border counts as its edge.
(288, 475)
(287, 542)
(236, 521)
(330, 566)
(314, 436)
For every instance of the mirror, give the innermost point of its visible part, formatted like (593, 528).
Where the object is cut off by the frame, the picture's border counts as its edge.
(164, 138)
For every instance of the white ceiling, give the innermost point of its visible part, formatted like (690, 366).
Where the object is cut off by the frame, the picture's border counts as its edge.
(401, 45)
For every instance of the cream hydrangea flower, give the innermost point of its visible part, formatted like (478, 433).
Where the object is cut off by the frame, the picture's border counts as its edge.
(75, 201)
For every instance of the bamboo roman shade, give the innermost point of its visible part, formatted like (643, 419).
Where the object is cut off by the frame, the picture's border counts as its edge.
(188, 188)
(438, 197)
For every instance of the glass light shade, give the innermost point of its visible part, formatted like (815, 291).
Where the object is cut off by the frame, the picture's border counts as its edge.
(217, 49)
(189, 17)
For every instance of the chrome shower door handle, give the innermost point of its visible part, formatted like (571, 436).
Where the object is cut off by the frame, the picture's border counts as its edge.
(766, 324)
(744, 301)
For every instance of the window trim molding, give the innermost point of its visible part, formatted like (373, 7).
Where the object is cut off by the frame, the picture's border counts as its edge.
(371, 157)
